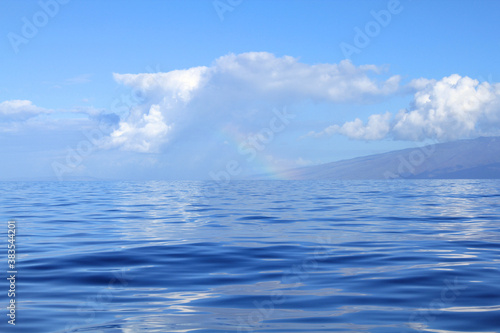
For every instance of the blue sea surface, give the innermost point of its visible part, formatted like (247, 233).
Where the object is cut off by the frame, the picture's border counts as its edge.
(254, 256)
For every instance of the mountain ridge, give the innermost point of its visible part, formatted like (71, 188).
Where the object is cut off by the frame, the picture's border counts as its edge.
(464, 159)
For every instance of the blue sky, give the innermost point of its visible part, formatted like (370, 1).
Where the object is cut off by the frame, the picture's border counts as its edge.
(186, 89)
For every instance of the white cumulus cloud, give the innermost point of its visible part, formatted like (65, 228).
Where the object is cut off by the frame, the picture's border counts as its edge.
(238, 89)
(143, 135)
(452, 108)
(177, 85)
(377, 127)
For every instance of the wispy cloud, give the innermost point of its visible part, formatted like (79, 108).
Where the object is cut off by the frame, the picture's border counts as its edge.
(79, 79)
(15, 110)
(75, 80)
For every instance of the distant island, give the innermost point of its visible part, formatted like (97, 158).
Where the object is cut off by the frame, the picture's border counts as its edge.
(465, 159)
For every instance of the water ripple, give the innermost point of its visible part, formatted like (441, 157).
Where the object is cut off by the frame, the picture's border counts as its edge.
(265, 256)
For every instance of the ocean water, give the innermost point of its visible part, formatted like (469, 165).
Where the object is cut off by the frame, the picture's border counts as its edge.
(254, 256)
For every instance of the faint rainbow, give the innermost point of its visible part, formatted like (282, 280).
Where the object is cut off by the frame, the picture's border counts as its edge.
(235, 139)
